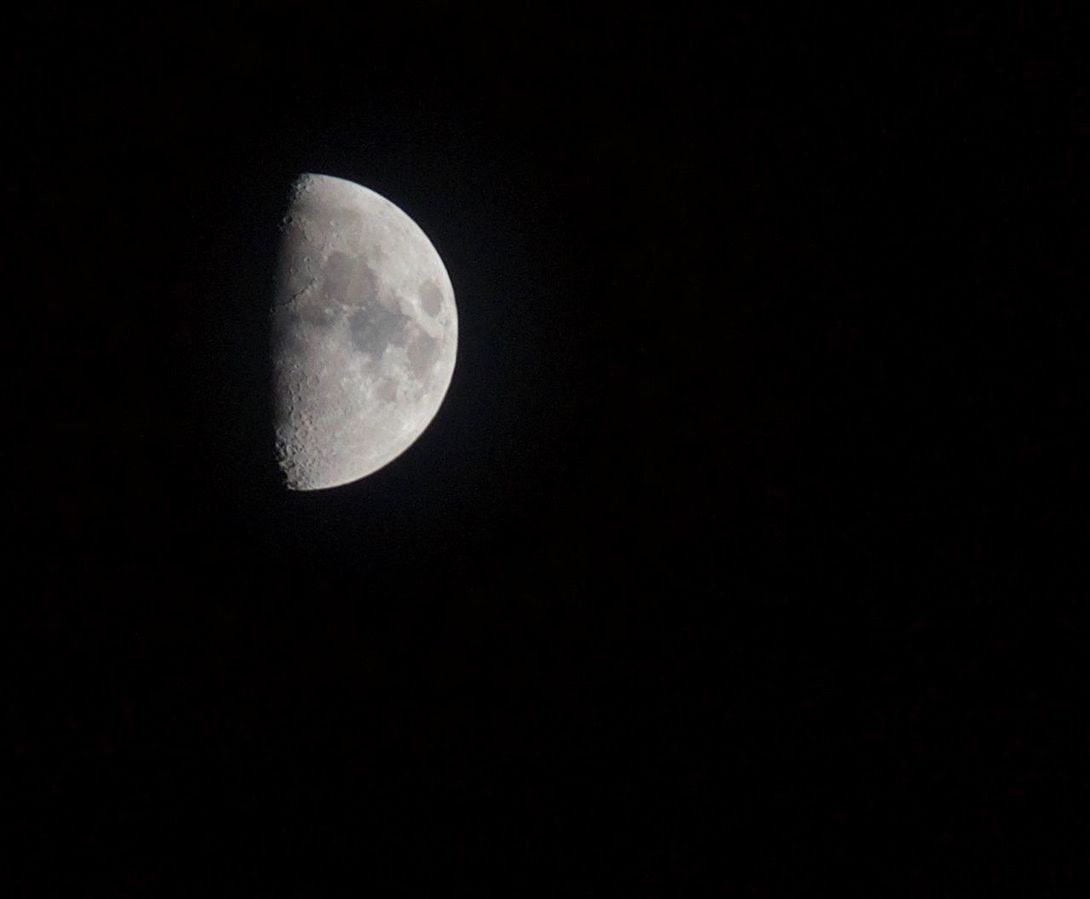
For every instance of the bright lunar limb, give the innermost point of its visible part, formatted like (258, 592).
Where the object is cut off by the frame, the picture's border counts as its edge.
(364, 333)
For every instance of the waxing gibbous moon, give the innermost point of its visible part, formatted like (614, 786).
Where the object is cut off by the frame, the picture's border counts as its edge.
(364, 333)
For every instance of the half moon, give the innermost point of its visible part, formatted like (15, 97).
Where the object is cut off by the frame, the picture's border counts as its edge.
(364, 333)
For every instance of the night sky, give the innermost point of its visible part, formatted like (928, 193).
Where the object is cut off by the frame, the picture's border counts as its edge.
(747, 554)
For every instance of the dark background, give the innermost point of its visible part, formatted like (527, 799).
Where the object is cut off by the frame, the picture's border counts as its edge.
(747, 553)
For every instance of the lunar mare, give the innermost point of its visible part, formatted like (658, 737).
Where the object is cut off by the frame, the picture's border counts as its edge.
(364, 333)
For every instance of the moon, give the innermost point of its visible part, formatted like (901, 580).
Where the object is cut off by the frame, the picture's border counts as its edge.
(364, 333)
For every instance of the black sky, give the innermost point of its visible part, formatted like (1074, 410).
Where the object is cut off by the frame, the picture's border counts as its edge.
(747, 553)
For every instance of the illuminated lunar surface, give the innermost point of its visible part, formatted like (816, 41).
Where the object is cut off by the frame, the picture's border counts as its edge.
(364, 334)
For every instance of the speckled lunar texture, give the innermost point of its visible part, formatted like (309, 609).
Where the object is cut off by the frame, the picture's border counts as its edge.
(365, 333)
